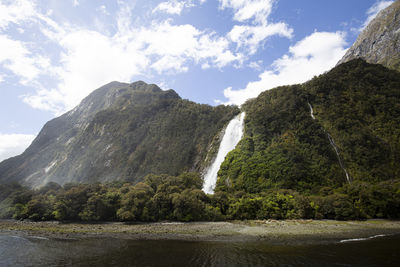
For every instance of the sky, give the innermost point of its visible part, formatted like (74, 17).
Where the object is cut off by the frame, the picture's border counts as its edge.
(54, 53)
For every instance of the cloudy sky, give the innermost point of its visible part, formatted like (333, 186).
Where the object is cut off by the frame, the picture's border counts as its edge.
(54, 53)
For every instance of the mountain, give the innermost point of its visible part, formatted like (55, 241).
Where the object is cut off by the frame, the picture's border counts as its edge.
(325, 149)
(379, 42)
(121, 132)
(340, 127)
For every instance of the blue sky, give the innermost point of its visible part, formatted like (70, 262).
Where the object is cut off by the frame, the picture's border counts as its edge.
(54, 53)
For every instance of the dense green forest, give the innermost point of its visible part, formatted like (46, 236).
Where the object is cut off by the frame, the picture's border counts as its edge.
(163, 197)
(355, 104)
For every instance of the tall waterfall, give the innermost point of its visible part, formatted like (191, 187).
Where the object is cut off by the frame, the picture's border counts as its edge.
(332, 142)
(232, 136)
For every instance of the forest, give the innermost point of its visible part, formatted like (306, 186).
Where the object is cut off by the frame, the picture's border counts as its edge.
(180, 198)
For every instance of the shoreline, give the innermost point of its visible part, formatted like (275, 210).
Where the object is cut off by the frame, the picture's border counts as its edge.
(287, 232)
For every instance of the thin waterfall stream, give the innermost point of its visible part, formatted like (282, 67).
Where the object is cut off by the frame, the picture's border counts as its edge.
(311, 111)
(333, 144)
(232, 136)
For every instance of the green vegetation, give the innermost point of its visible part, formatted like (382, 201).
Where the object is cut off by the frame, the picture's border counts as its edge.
(160, 197)
(179, 198)
(357, 103)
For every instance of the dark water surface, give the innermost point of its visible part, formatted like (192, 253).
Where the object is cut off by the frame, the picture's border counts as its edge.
(20, 250)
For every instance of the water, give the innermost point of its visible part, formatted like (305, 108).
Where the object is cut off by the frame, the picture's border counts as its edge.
(232, 136)
(20, 250)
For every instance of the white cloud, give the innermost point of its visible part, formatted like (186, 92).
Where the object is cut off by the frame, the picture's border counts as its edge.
(84, 59)
(90, 59)
(75, 3)
(374, 10)
(254, 12)
(173, 7)
(15, 12)
(175, 45)
(15, 57)
(14, 144)
(257, 10)
(311, 56)
(256, 65)
(250, 37)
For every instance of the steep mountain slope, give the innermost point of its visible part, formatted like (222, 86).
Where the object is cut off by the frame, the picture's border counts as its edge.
(121, 132)
(379, 42)
(310, 135)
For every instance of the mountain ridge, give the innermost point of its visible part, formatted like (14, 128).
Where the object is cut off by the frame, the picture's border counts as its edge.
(125, 131)
(379, 42)
(116, 133)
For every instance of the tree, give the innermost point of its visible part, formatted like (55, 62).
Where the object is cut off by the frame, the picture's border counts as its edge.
(133, 203)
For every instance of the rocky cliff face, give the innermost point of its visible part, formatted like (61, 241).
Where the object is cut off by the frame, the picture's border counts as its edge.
(120, 132)
(379, 42)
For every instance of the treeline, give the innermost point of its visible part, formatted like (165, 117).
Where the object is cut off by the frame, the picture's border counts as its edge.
(159, 197)
(359, 200)
(180, 198)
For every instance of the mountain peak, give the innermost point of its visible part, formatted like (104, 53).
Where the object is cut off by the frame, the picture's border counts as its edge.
(141, 85)
(379, 42)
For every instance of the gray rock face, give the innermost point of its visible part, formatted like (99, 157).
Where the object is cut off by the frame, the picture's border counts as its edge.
(379, 42)
(120, 132)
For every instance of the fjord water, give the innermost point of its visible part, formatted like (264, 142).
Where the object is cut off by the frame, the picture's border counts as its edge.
(22, 250)
(232, 136)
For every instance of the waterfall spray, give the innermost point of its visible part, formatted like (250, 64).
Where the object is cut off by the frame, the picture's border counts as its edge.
(232, 136)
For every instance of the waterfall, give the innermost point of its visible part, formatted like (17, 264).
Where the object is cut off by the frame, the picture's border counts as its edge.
(338, 156)
(311, 111)
(332, 142)
(232, 136)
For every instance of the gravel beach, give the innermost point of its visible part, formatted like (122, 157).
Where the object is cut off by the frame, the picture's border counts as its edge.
(277, 232)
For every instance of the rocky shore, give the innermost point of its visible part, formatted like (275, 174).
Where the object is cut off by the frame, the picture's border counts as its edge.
(276, 232)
